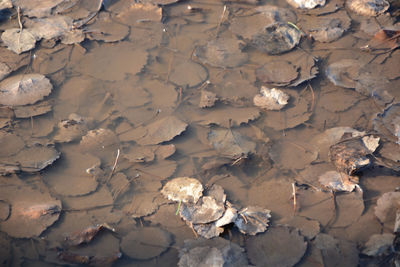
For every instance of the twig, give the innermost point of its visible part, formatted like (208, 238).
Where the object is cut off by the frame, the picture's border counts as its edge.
(19, 19)
(115, 165)
(194, 231)
(294, 198)
(313, 96)
(220, 20)
(179, 207)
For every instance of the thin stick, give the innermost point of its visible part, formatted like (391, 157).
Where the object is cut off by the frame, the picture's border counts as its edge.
(294, 198)
(115, 165)
(220, 20)
(313, 96)
(19, 18)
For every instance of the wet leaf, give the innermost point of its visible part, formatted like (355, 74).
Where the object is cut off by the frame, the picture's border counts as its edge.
(293, 154)
(72, 128)
(5, 210)
(271, 99)
(379, 245)
(113, 62)
(29, 111)
(338, 100)
(208, 230)
(296, 113)
(101, 197)
(86, 235)
(279, 246)
(255, 20)
(107, 30)
(162, 130)
(5, 4)
(222, 52)
(375, 85)
(188, 73)
(33, 210)
(207, 99)
(337, 181)
(306, 4)
(183, 189)
(24, 89)
(71, 177)
(344, 72)
(98, 139)
(386, 207)
(329, 251)
(213, 252)
(368, 7)
(276, 39)
(277, 72)
(227, 116)
(119, 185)
(37, 8)
(230, 143)
(139, 12)
(206, 210)
(252, 220)
(146, 243)
(50, 27)
(141, 154)
(305, 63)
(387, 123)
(327, 28)
(349, 208)
(18, 41)
(44, 156)
(350, 155)
(385, 39)
(308, 228)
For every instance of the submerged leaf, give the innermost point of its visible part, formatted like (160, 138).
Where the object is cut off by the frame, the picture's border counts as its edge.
(253, 220)
(337, 181)
(379, 245)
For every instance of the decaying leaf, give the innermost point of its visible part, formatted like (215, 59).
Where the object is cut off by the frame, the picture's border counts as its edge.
(276, 39)
(107, 30)
(33, 210)
(386, 208)
(86, 235)
(379, 245)
(161, 130)
(44, 156)
(98, 139)
(271, 99)
(205, 211)
(207, 99)
(252, 220)
(18, 40)
(24, 89)
(385, 39)
(293, 154)
(136, 13)
(146, 243)
(37, 8)
(183, 189)
(214, 252)
(279, 246)
(222, 52)
(72, 128)
(306, 4)
(255, 20)
(28, 111)
(337, 181)
(350, 155)
(368, 7)
(230, 143)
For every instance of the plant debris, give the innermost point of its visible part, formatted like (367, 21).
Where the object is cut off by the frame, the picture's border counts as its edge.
(386, 208)
(371, 8)
(87, 234)
(337, 181)
(271, 99)
(278, 73)
(253, 220)
(183, 189)
(306, 4)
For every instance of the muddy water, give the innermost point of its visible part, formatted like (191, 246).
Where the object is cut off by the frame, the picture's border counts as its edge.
(153, 73)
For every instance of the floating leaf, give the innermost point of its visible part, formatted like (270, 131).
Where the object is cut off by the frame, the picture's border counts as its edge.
(255, 20)
(24, 89)
(306, 4)
(146, 242)
(253, 220)
(206, 210)
(271, 99)
(18, 40)
(222, 52)
(183, 189)
(279, 246)
(368, 7)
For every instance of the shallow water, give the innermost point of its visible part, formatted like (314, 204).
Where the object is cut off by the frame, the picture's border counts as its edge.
(154, 73)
